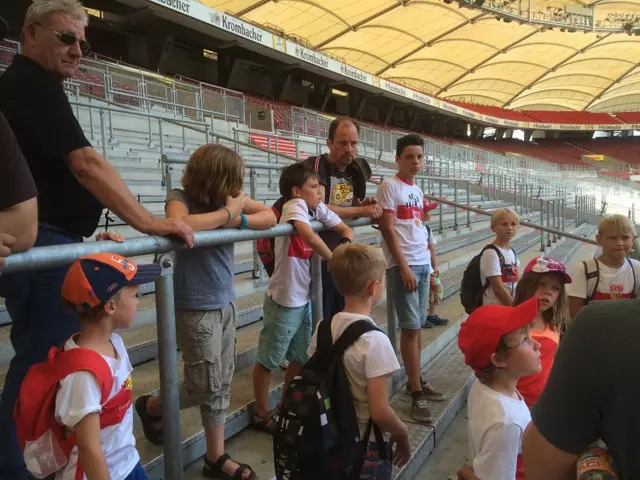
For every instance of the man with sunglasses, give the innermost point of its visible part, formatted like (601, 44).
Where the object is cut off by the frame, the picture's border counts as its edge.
(74, 183)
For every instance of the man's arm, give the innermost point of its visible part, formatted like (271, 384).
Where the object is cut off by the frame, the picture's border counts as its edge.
(100, 177)
(371, 211)
(543, 461)
(344, 230)
(89, 449)
(21, 222)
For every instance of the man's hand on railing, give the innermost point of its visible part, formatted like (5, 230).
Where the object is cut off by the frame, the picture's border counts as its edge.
(369, 208)
(6, 243)
(105, 236)
(171, 226)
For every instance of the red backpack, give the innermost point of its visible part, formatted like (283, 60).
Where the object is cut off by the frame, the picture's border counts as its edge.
(266, 246)
(42, 439)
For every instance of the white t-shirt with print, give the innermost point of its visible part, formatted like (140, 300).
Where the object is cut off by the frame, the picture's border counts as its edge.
(405, 202)
(290, 284)
(496, 426)
(370, 356)
(614, 283)
(79, 395)
(490, 267)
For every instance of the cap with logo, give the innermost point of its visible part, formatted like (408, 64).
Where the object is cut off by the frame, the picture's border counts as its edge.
(547, 265)
(94, 279)
(480, 334)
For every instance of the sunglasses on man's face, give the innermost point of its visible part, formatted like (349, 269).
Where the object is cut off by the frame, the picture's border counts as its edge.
(69, 39)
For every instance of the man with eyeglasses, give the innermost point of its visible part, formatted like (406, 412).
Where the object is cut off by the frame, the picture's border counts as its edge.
(74, 183)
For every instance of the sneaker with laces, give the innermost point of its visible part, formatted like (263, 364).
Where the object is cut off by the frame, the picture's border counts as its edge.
(429, 392)
(436, 320)
(420, 410)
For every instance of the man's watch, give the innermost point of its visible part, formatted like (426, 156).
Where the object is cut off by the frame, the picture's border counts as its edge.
(344, 240)
(244, 223)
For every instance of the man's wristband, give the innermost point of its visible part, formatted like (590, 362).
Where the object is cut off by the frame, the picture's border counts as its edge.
(244, 223)
(345, 240)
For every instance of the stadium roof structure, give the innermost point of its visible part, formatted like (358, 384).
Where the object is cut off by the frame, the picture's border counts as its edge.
(462, 51)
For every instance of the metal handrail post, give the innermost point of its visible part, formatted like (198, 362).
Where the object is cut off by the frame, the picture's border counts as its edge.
(103, 135)
(150, 133)
(440, 228)
(91, 122)
(555, 220)
(468, 203)
(542, 223)
(633, 213)
(161, 135)
(392, 319)
(168, 362)
(481, 184)
(455, 209)
(316, 289)
(548, 222)
(564, 212)
(184, 139)
(257, 264)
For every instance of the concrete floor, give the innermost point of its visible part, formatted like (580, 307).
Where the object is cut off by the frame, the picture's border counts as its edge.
(450, 453)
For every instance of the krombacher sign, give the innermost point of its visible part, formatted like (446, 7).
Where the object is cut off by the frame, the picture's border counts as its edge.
(311, 57)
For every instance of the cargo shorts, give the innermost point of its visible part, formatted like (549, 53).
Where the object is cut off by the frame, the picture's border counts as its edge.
(207, 340)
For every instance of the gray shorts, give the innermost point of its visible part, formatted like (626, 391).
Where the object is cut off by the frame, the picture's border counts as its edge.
(207, 340)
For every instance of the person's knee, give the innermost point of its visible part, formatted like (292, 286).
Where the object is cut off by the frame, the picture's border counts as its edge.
(409, 335)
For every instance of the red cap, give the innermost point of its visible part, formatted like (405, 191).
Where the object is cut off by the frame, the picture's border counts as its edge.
(546, 265)
(94, 279)
(427, 207)
(480, 334)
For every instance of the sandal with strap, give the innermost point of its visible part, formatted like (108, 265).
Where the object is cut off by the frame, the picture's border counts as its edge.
(268, 423)
(153, 434)
(214, 470)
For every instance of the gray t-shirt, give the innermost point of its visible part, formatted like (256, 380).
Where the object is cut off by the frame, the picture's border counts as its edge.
(203, 277)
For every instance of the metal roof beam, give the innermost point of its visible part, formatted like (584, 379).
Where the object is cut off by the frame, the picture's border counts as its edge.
(251, 8)
(355, 26)
(489, 58)
(555, 67)
(561, 89)
(438, 60)
(430, 42)
(414, 79)
(587, 74)
(546, 43)
(493, 99)
(467, 40)
(609, 59)
(520, 62)
(491, 79)
(615, 80)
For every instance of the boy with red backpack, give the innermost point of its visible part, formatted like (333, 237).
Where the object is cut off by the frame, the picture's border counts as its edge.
(74, 415)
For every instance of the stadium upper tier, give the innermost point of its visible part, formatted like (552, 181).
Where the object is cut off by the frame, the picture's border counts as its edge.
(474, 51)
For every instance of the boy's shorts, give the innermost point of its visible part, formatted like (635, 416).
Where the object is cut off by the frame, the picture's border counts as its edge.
(411, 307)
(285, 335)
(137, 474)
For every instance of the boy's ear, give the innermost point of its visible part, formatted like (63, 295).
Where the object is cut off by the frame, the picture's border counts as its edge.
(598, 238)
(371, 287)
(295, 192)
(110, 307)
(499, 360)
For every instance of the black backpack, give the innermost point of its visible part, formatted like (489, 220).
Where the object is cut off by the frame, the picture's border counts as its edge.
(472, 289)
(317, 436)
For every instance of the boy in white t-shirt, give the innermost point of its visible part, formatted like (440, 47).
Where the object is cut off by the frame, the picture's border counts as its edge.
(358, 273)
(612, 275)
(496, 343)
(406, 249)
(500, 277)
(103, 290)
(287, 328)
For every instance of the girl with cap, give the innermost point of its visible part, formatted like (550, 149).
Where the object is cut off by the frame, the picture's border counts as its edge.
(545, 279)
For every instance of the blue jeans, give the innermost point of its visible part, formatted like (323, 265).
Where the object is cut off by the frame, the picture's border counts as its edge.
(39, 322)
(411, 307)
(137, 473)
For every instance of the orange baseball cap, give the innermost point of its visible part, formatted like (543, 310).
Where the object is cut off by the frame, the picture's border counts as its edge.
(94, 279)
(480, 334)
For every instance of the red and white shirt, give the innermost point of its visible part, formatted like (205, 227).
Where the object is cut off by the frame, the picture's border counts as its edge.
(290, 284)
(405, 201)
(614, 284)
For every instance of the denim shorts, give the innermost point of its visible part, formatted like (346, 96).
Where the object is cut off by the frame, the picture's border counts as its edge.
(411, 307)
(285, 335)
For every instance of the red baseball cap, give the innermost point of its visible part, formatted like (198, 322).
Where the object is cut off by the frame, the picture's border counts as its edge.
(480, 334)
(94, 279)
(546, 265)
(427, 207)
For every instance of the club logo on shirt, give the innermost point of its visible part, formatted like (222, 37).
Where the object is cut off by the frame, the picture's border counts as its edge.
(128, 384)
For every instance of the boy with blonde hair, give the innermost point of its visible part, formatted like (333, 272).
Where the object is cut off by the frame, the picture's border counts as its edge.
(496, 343)
(498, 261)
(611, 275)
(358, 272)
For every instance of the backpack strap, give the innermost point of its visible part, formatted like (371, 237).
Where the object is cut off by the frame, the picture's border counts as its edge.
(316, 166)
(500, 259)
(66, 362)
(592, 275)
(352, 333)
(634, 293)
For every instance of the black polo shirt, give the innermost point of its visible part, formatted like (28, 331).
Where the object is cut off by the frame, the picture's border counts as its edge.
(38, 110)
(16, 182)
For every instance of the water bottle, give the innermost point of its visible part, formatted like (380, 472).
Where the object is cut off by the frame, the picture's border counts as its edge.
(596, 463)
